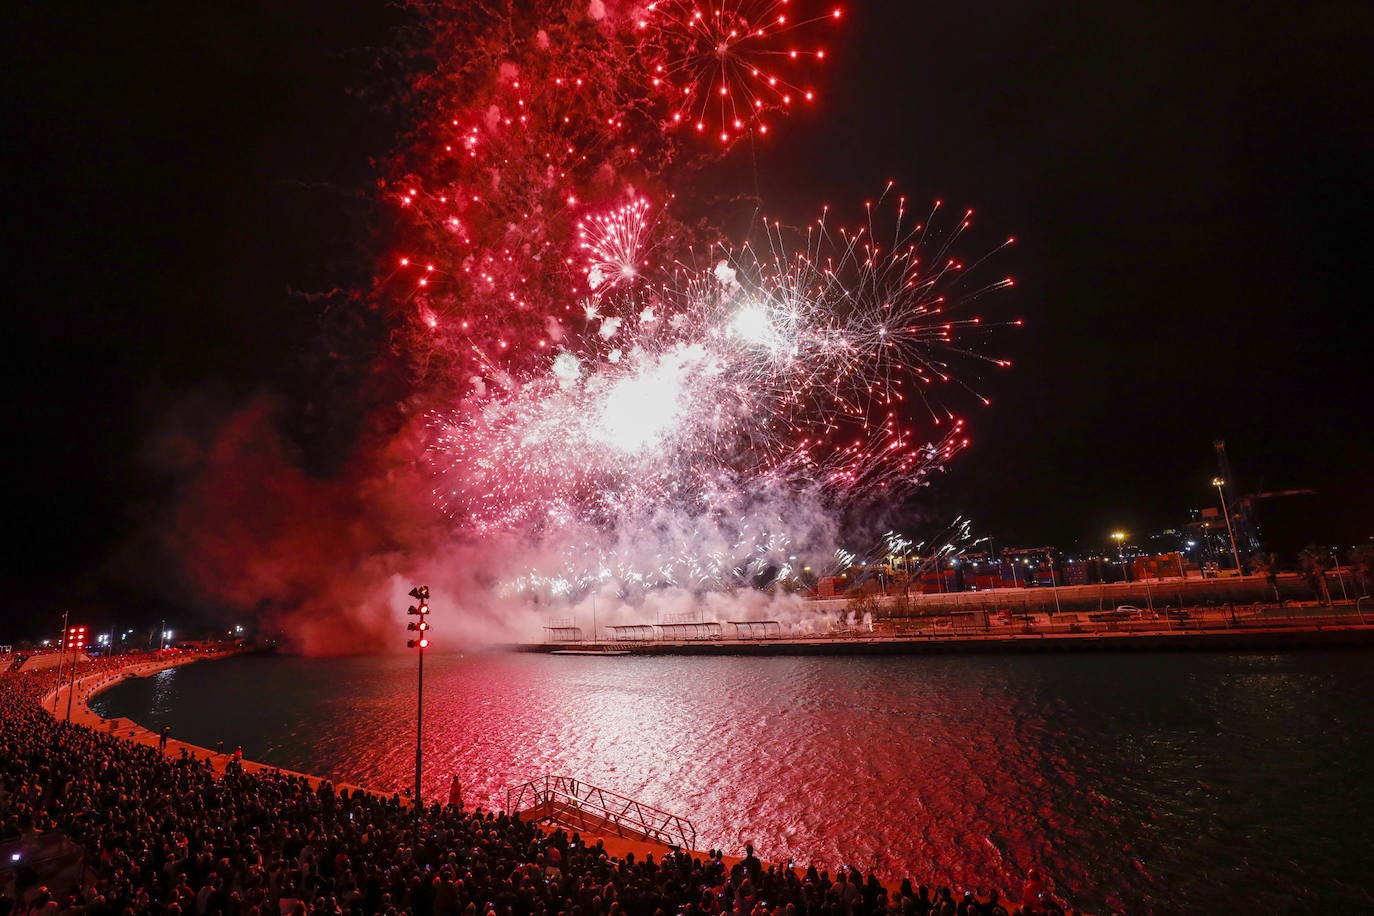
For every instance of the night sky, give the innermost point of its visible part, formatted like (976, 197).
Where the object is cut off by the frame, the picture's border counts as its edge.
(1191, 188)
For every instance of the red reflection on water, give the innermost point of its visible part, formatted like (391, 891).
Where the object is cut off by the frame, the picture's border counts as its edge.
(920, 777)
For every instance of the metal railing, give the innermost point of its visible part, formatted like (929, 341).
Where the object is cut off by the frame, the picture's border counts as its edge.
(1237, 618)
(578, 805)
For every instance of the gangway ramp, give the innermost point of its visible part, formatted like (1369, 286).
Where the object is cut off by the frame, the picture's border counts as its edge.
(575, 805)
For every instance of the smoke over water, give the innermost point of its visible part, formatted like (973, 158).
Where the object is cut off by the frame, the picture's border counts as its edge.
(327, 563)
(610, 406)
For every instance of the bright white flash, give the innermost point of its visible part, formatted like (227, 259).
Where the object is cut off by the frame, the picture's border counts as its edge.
(752, 324)
(640, 409)
(567, 368)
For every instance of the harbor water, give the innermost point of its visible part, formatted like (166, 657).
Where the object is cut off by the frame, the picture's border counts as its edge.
(1181, 782)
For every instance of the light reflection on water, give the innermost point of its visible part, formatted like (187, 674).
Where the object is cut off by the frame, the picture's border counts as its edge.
(1138, 781)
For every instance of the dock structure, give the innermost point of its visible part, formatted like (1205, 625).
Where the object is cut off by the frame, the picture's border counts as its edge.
(634, 632)
(575, 805)
(672, 632)
(1254, 627)
(756, 629)
(561, 634)
(704, 629)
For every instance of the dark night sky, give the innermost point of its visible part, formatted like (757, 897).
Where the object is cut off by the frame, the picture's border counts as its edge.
(1191, 188)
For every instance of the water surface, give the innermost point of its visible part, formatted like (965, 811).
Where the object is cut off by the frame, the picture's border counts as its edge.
(1173, 782)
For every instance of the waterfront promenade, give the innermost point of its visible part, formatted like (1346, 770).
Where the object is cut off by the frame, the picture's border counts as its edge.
(175, 830)
(1229, 627)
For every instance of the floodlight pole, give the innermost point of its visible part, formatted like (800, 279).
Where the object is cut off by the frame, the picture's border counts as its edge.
(420, 627)
(72, 687)
(419, 724)
(78, 642)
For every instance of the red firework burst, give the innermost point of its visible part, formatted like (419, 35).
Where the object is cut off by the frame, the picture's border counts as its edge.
(724, 64)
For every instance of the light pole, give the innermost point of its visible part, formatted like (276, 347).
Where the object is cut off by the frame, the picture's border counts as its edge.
(1235, 551)
(77, 637)
(61, 648)
(1120, 538)
(421, 594)
(1054, 585)
(1336, 559)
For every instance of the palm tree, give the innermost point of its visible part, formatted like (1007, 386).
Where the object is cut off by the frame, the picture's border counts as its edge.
(1266, 563)
(1315, 562)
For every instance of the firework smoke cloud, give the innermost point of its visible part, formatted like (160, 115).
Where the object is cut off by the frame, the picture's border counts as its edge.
(608, 397)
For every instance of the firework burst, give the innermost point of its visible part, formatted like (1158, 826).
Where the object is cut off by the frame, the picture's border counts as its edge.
(766, 369)
(628, 393)
(615, 246)
(724, 65)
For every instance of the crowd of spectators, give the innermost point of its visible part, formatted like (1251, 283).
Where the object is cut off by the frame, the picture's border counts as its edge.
(165, 834)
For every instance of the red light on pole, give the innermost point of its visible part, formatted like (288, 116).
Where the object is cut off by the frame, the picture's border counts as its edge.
(75, 640)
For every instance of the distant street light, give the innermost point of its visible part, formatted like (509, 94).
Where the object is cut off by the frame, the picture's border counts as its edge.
(1336, 560)
(1120, 538)
(1235, 551)
(1054, 585)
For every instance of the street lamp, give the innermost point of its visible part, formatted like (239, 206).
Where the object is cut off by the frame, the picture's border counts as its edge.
(1235, 552)
(421, 594)
(1336, 559)
(1120, 538)
(1054, 585)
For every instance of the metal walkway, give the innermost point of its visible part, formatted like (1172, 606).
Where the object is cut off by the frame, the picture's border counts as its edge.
(576, 805)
